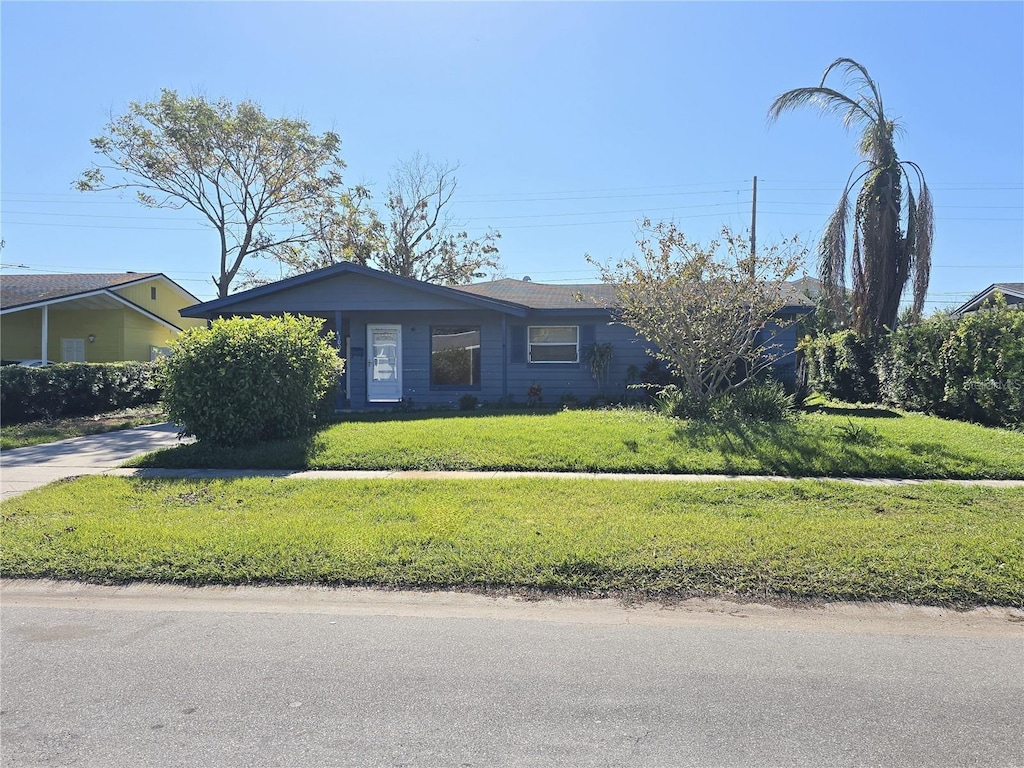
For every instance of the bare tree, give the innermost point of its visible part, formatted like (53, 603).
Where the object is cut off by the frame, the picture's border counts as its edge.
(422, 241)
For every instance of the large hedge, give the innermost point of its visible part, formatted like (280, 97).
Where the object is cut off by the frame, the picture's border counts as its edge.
(842, 366)
(245, 380)
(983, 365)
(910, 371)
(971, 368)
(74, 389)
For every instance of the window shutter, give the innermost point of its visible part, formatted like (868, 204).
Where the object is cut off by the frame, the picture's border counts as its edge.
(588, 336)
(517, 353)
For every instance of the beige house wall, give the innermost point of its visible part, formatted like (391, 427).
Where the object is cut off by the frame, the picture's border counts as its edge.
(167, 303)
(21, 334)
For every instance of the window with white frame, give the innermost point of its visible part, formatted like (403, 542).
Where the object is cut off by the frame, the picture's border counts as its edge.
(554, 343)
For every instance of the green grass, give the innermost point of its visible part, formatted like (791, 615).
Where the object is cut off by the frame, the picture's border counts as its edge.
(929, 544)
(38, 432)
(830, 442)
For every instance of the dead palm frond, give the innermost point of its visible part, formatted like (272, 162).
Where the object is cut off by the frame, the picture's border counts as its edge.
(891, 241)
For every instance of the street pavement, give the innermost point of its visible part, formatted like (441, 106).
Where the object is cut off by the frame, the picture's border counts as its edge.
(169, 676)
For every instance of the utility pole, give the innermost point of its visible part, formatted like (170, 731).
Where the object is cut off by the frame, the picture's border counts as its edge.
(753, 231)
(753, 222)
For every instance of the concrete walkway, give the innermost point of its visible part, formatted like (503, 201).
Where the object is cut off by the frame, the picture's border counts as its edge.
(22, 469)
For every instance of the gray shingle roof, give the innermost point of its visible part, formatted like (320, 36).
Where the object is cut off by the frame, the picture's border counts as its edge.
(16, 290)
(1014, 293)
(544, 296)
(577, 296)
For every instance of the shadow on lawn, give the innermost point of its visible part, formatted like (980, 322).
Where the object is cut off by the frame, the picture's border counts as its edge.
(865, 411)
(783, 448)
(296, 453)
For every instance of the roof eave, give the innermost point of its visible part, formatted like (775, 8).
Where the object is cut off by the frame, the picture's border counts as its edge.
(216, 307)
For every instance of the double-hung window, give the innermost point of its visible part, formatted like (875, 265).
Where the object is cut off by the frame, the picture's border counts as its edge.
(554, 343)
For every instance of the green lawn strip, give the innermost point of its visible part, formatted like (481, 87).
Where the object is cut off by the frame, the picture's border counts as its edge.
(38, 432)
(885, 444)
(928, 544)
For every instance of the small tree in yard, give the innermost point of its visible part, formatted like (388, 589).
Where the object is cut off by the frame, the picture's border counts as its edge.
(708, 314)
(244, 380)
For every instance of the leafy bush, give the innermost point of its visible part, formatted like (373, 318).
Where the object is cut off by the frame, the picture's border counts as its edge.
(983, 363)
(971, 368)
(764, 401)
(75, 389)
(468, 403)
(910, 372)
(245, 380)
(842, 366)
(674, 402)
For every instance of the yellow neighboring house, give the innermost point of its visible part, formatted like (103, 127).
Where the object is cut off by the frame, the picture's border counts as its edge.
(92, 318)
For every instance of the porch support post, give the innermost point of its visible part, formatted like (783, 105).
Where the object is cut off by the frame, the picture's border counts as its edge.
(504, 355)
(339, 340)
(46, 331)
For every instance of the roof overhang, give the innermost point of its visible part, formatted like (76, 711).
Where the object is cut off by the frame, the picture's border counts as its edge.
(217, 307)
(976, 301)
(104, 298)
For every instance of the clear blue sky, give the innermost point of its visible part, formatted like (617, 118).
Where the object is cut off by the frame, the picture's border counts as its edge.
(570, 121)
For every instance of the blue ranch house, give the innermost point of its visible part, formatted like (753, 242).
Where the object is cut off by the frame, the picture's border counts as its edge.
(406, 340)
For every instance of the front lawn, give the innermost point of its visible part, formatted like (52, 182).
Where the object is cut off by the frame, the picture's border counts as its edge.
(838, 442)
(930, 544)
(37, 432)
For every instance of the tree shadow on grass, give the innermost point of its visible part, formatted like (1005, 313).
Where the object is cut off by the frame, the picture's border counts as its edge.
(296, 453)
(866, 411)
(780, 448)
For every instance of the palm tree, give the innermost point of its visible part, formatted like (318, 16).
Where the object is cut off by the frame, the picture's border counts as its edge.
(892, 227)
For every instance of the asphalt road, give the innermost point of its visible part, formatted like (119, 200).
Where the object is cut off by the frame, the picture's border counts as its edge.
(315, 677)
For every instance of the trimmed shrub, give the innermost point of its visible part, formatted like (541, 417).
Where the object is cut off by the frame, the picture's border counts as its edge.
(245, 380)
(75, 389)
(842, 366)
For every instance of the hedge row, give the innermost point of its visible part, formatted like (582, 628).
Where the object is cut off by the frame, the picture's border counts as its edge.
(969, 368)
(842, 366)
(74, 389)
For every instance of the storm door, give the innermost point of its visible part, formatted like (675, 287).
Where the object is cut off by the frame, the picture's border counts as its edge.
(384, 363)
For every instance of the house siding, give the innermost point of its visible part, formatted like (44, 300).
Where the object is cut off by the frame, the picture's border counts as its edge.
(167, 305)
(416, 339)
(559, 379)
(141, 333)
(21, 335)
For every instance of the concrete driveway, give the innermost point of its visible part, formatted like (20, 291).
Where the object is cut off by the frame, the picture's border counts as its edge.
(22, 469)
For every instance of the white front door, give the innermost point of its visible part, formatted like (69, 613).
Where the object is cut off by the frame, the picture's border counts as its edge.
(72, 350)
(383, 363)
